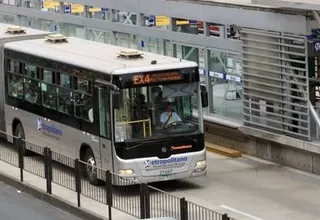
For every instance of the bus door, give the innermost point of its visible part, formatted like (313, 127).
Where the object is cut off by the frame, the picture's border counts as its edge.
(104, 112)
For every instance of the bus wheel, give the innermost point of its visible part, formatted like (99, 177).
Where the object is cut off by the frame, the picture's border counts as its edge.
(91, 170)
(19, 132)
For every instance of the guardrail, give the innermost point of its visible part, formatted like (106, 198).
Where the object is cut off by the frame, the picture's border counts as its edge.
(139, 200)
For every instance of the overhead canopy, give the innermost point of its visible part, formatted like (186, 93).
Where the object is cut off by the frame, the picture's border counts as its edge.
(294, 4)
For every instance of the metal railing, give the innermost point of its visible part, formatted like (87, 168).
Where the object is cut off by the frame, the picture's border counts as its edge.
(139, 200)
(314, 121)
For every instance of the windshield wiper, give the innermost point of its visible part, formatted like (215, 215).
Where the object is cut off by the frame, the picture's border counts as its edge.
(190, 139)
(146, 142)
(186, 137)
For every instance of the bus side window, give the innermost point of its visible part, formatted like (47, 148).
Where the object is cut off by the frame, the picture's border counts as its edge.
(82, 85)
(14, 66)
(65, 80)
(65, 103)
(65, 94)
(32, 91)
(83, 106)
(48, 76)
(49, 96)
(15, 86)
(32, 71)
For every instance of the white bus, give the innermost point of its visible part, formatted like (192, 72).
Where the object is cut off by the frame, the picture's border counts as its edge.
(106, 105)
(10, 33)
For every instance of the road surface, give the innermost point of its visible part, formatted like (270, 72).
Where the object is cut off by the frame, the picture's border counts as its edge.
(15, 205)
(246, 188)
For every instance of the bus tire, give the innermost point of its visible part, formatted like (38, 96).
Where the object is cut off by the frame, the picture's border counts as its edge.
(19, 132)
(90, 168)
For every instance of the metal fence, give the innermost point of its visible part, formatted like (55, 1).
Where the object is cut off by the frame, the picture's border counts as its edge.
(139, 200)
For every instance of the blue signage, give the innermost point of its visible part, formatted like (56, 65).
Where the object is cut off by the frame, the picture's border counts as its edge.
(225, 76)
(174, 161)
(48, 129)
(152, 21)
(193, 22)
(67, 9)
(316, 46)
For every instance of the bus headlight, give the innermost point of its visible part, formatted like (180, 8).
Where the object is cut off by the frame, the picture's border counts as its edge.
(201, 163)
(126, 172)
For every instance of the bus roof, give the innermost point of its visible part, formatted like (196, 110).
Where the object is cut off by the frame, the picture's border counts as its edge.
(25, 33)
(96, 56)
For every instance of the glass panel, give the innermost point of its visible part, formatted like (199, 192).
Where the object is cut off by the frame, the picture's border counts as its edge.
(71, 30)
(65, 104)
(47, 76)
(153, 45)
(104, 112)
(192, 54)
(122, 40)
(135, 42)
(32, 71)
(125, 17)
(49, 96)
(7, 19)
(24, 21)
(15, 86)
(168, 48)
(32, 91)
(45, 25)
(155, 111)
(83, 107)
(225, 75)
(83, 85)
(65, 80)
(14, 66)
(99, 36)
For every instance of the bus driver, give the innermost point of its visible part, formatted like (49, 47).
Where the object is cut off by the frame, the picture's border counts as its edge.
(169, 116)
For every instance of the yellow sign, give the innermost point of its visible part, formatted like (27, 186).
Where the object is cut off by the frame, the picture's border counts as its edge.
(162, 21)
(94, 9)
(49, 4)
(182, 22)
(77, 8)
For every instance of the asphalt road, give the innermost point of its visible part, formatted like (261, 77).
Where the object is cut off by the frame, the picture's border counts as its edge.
(15, 205)
(246, 188)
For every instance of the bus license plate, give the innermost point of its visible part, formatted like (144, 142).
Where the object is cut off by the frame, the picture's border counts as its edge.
(165, 172)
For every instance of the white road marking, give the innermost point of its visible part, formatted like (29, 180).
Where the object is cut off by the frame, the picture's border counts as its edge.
(241, 213)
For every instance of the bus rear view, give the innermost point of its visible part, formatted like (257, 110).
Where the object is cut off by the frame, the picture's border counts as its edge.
(156, 137)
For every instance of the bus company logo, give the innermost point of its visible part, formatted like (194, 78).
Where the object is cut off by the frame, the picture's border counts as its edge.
(47, 129)
(182, 147)
(39, 124)
(174, 161)
(147, 163)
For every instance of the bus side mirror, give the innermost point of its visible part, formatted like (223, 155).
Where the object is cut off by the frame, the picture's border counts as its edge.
(116, 100)
(204, 97)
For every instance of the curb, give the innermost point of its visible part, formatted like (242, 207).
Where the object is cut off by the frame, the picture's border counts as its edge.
(222, 150)
(51, 199)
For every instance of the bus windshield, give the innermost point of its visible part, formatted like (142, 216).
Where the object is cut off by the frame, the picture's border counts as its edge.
(153, 112)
